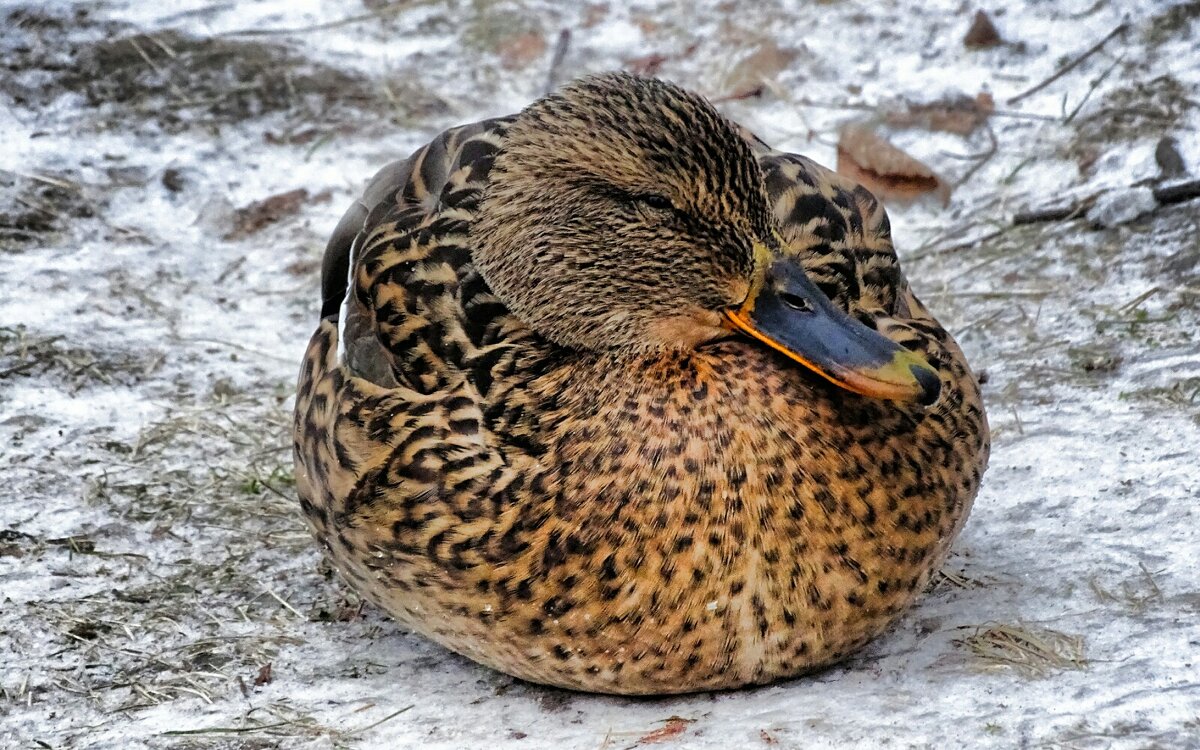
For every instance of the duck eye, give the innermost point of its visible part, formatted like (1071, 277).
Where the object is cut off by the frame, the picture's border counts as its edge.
(795, 302)
(656, 202)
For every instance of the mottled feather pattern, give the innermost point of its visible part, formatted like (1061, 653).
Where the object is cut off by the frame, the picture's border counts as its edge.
(627, 523)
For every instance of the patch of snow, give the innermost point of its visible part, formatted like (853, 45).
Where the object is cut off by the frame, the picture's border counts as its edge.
(1122, 206)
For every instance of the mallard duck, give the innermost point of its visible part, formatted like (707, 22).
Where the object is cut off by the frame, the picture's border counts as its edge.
(609, 395)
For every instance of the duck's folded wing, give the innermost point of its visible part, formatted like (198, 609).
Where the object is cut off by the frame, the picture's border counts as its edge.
(403, 198)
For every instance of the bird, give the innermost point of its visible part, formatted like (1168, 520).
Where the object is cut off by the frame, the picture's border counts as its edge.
(611, 396)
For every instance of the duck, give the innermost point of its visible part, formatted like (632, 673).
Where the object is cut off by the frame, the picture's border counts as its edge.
(610, 396)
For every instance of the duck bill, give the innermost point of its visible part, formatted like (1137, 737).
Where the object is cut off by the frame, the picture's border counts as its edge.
(787, 312)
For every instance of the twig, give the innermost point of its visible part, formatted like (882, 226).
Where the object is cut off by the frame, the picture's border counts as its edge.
(372, 725)
(980, 159)
(283, 601)
(556, 60)
(1178, 193)
(55, 181)
(348, 20)
(1053, 213)
(1165, 196)
(1092, 89)
(29, 203)
(227, 730)
(989, 294)
(233, 345)
(1138, 300)
(162, 73)
(1071, 65)
(962, 245)
(864, 107)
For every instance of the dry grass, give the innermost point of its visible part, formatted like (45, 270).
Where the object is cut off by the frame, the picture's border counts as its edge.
(206, 490)
(177, 82)
(954, 578)
(1033, 652)
(1137, 595)
(26, 354)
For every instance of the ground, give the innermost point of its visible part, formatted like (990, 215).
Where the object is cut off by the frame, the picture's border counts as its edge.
(168, 176)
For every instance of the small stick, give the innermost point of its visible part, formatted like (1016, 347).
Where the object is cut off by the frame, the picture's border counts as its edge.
(985, 294)
(972, 242)
(1071, 65)
(1092, 89)
(389, 717)
(556, 60)
(380, 13)
(282, 601)
(981, 159)
(864, 107)
(30, 203)
(1165, 196)
(1178, 193)
(55, 181)
(1041, 215)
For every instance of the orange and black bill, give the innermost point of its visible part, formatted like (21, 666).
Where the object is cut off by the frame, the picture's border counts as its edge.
(787, 312)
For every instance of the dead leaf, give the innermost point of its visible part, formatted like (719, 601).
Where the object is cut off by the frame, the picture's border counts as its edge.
(763, 64)
(646, 65)
(960, 115)
(982, 34)
(767, 738)
(1170, 162)
(1086, 158)
(884, 169)
(742, 95)
(303, 266)
(647, 24)
(594, 14)
(673, 727)
(259, 214)
(521, 50)
(264, 675)
(298, 138)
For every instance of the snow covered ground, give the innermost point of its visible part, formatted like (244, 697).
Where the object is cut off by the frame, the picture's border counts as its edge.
(157, 587)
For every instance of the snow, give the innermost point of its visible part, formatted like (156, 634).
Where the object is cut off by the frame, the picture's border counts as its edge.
(1122, 206)
(151, 557)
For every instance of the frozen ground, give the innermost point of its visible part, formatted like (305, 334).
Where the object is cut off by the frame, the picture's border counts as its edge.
(157, 587)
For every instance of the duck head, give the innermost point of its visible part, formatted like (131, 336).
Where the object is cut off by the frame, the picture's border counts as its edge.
(625, 213)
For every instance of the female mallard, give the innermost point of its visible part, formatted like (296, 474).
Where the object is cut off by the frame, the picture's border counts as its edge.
(563, 414)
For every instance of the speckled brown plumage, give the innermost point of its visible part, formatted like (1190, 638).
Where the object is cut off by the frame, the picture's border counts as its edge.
(569, 471)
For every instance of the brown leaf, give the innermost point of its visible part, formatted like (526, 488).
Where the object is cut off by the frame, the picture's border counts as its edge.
(303, 266)
(982, 34)
(594, 14)
(1086, 158)
(884, 169)
(298, 138)
(646, 65)
(252, 218)
(960, 115)
(1170, 162)
(519, 51)
(763, 64)
(264, 675)
(741, 95)
(672, 728)
(646, 23)
(766, 737)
